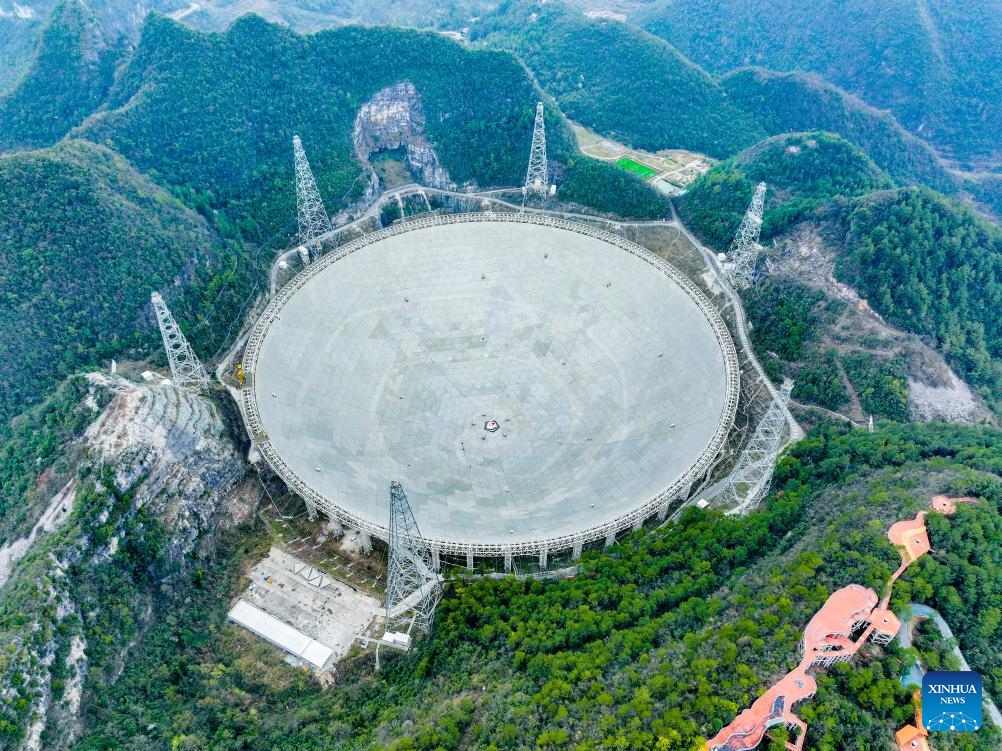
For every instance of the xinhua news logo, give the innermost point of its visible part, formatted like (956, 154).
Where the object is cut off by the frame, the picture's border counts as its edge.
(951, 700)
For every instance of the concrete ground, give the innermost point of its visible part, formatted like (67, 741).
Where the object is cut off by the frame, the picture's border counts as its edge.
(333, 614)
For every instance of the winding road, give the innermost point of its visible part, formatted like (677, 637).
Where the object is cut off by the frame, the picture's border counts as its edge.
(914, 676)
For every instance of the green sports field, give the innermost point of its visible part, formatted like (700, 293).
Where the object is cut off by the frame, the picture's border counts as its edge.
(641, 170)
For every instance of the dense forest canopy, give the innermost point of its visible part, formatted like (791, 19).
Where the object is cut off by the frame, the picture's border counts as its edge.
(656, 643)
(931, 266)
(84, 239)
(591, 68)
(934, 63)
(216, 113)
(68, 80)
(803, 172)
(23, 24)
(783, 102)
(925, 262)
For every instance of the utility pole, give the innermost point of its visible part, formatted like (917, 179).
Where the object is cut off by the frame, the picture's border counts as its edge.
(536, 176)
(186, 369)
(745, 248)
(313, 220)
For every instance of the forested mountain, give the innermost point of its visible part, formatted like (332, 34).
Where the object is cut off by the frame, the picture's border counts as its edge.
(804, 172)
(930, 265)
(925, 262)
(655, 644)
(215, 113)
(84, 239)
(313, 15)
(20, 31)
(785, 102)
(933, 63)
(69, 79)
(22, 24)
(591, 68)
(987, 190)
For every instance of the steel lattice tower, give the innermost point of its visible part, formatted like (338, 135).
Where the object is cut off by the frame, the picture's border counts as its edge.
(745, 248)
(185, 367)
(413, 588)
(536, 175)
(749, 481)
(313, 220)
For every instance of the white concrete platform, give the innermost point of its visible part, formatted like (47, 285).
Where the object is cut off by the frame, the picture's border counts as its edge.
(309, 602)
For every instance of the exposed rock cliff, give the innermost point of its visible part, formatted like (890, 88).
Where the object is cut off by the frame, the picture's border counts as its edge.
(393, 118)
(161, 476)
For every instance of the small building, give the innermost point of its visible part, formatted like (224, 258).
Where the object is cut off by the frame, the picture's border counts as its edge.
(885, 626)
(281, 634)
(911, 738)
(398, 638)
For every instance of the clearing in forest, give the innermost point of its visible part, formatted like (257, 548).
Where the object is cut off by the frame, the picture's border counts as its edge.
(631, 165)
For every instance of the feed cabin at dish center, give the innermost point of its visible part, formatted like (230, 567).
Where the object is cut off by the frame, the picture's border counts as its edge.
(536, 384)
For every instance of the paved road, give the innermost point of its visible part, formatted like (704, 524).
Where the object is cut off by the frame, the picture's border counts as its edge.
(914, 676)
(796, 432)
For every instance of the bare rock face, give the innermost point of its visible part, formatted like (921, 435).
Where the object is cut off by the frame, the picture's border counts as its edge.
(171, 450)
(952, 402)
(160, 477)
(935, 392)
(393, 118)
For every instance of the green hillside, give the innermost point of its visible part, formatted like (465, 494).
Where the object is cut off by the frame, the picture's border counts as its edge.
(18, 41)
(84, 238)
(931, 266)
(637, 90)
(655, 644)
(804, 172)
(619, 81)
(215, 113)
(933, 63)
(34, 454)
(925, 262)
(783, 102)
(21, 29)
(67, 81)
(987, 190)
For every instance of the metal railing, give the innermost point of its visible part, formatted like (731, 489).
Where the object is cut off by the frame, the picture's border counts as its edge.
(657, 505)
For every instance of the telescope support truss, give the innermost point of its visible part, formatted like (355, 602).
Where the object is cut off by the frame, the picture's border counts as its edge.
(413, 587)
(186, 369)
(313, 219)
(745, 248)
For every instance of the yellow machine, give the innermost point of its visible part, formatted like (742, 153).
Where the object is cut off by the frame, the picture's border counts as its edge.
(238, 371)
